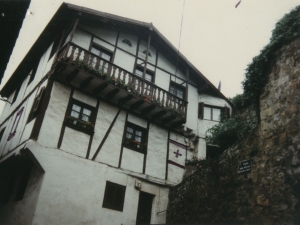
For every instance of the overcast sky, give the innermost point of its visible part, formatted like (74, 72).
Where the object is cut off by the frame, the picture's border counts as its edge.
(219, 39)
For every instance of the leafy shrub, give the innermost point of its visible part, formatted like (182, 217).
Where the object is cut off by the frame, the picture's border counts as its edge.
(286, 30)
(239, 101)
(229, 131)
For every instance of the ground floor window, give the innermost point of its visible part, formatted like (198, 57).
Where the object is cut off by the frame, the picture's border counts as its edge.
(114, 196)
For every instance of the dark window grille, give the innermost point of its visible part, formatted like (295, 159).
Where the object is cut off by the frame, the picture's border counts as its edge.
(114, 196)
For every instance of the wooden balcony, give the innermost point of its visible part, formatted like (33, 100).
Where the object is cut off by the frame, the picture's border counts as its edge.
(88, 72)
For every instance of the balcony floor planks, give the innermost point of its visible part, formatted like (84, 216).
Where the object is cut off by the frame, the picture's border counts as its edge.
(121, 94)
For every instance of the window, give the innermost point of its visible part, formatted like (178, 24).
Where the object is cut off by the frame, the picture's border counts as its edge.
(55, 46)
(104, 54)
(208, 112)
(80, 117)
(177, 90)
(33, 71)
(145, 52)
(1, 133)
(114, 196)
(135, 137)
(127, 42)
(36, 105)
(139, 71)
(15, 124)
(16, 94)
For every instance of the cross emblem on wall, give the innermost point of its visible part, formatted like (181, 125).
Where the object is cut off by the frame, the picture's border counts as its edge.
(177, 153)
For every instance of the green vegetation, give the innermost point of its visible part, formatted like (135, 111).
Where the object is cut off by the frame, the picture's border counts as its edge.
(231, 130)
(286, 30)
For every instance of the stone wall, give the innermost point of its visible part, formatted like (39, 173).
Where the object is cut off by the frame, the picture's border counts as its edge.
(270, 193)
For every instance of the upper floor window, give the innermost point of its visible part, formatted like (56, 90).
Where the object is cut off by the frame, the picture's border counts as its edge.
(149, 76)
(214, 113)
(127, 42)
(15, 124)
(33, 71)
(145, 52)
(16, 94)
(1, 133)
(99, 51)
(81, 117)
(177, 90)
(135, 137)
(36, 105)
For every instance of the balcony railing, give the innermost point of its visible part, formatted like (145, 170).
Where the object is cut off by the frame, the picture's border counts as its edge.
(106, 75)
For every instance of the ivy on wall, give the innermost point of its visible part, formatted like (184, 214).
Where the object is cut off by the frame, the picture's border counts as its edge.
(231, 130)
(286, 30)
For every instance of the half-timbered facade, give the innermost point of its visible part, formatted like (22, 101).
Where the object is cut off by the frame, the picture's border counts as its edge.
(104, 113)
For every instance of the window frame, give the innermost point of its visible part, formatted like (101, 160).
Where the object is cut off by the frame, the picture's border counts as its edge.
(82, 125)
(2, 133)
(36, 105)
(33, 71)
(148, 72)
(224, 111)
(16, 93)
(15, 124)
(116, 190)
(102, 50)
(177, 86)
(126, 41)
(131, 143)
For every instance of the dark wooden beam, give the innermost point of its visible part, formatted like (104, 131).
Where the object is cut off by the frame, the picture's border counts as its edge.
(112, 93)
(168, 119)
(178, 123)
(159, 114)
(100, 88)
(137, 104)
(71, 75)
(85, 83)
(125, 99)
(147, 110)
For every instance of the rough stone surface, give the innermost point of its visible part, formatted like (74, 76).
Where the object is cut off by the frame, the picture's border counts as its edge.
(270, 193)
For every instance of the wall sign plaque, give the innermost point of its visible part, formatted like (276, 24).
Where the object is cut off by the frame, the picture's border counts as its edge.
(244, 167)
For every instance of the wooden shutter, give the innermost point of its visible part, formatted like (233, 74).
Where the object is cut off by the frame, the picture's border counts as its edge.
(200, 110)
(226, 112)
(38, 100)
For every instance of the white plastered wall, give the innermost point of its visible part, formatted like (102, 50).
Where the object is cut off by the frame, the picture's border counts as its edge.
(73, 190)
(133, 40)
(54, 115)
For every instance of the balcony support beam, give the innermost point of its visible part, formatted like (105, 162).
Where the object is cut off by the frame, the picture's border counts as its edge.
(137, 104)
(159, 114)
(71, 75)
(100, 88)
(168, 119)
(147, 110)
(112, 93)
(86, 82)
(178, 123)
(125, 99)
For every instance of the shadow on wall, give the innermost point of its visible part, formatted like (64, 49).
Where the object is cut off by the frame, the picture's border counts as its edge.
(21, 179)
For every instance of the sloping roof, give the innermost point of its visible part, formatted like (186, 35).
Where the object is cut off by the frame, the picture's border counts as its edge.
(68, 12)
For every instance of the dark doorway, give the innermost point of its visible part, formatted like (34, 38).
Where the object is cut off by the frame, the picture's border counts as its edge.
(144, 209)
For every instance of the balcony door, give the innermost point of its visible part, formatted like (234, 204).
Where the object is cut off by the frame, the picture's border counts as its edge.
(144, 209)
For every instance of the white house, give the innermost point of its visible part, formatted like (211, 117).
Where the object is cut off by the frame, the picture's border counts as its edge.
(104, 112)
